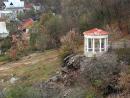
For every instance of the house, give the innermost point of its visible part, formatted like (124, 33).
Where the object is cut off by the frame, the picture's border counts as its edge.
(14, 5)
(24, 28)
(26, 24)
(3, 30)
(95, 42)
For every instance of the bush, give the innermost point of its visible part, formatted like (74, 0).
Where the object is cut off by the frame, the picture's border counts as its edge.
(77, 92)
(55, 29)
(46, 33)
(64, 52)
(103, 72)
(4, 58)
(6, 44)
(90, 95)
(70, 44)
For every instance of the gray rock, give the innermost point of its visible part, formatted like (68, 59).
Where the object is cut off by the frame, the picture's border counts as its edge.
(13, 80)
(72, 61)
(55, 78)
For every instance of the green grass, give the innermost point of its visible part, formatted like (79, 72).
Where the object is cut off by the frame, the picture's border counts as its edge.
(37, 72)
(4, 58)
(44, 66)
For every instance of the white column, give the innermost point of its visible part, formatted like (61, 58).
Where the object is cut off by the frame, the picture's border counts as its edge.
(84, 45)
(87, 46)
(100, 45)
(105, 44)
(93, 45)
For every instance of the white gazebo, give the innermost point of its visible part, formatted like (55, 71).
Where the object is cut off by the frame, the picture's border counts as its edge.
(95, 42)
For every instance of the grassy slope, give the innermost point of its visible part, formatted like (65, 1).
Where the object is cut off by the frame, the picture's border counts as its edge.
(33, 68)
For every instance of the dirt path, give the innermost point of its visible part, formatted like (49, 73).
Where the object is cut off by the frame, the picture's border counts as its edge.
(23, 61)
(27, 61)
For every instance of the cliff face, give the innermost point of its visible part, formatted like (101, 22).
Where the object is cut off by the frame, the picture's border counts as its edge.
(80, 75)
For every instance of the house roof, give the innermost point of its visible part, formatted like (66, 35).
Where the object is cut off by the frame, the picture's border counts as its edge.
(26, 24)
(95, 32)
(14, 4)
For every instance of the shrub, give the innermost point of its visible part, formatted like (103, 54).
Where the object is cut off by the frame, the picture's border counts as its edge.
(46, 33)
(70, 44)
(103, 72)
(55, 29)
(6, 44)
(64, 52)
(76, 92)
(90, 95)
(22, 92)
(4, 58)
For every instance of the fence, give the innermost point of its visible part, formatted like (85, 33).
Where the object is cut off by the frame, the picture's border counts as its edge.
(121, 44)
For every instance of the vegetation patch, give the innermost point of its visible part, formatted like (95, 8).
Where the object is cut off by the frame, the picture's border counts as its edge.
(4, 58)
(123, 55)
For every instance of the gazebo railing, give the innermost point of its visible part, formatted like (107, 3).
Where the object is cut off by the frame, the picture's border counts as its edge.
(96, 49)
(90, 49)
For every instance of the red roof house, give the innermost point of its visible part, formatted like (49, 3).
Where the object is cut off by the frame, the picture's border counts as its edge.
(26, 24)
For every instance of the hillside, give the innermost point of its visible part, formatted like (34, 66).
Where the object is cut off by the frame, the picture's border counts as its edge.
(32, 68)
(35, 71)
(65, 49)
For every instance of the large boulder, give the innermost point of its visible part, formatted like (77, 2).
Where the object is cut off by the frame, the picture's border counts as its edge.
(72, 61)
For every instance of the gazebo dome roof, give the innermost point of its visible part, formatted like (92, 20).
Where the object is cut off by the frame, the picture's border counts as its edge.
(95, 32)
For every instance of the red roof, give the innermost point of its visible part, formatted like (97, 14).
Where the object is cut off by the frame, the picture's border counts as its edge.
(95, 32)
(26, 24)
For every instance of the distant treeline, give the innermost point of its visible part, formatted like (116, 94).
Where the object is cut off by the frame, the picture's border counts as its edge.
(90, 13)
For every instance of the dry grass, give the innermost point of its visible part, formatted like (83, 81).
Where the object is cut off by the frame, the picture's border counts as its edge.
(33, 68)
